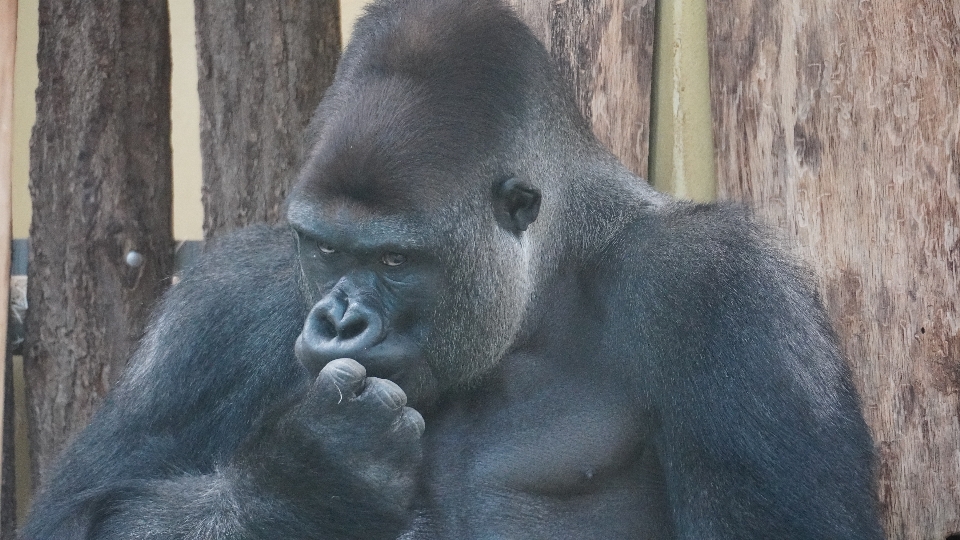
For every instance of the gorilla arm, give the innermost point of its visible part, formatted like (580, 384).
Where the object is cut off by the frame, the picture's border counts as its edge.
(174, 452)
(290, 480)
(759, 433)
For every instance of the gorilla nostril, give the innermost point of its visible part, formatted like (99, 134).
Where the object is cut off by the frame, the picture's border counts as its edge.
(326, 326)
(325, 318)
(351, 328)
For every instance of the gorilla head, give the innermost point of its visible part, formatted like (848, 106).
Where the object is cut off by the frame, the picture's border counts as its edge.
(413, 209)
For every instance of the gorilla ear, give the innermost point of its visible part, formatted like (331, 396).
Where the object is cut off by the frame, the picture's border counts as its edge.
(516, 204)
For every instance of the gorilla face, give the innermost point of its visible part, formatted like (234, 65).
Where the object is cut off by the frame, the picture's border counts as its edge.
(416, 296)
(411, 223)
(372, 282)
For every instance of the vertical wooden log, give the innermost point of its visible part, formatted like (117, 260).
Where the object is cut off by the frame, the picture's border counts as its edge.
(605, 49)
(100, 183)
(263, 68)
(8, 46)
(8, 483)
(840, 121)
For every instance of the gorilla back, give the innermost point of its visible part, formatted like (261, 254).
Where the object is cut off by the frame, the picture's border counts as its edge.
(475, 324)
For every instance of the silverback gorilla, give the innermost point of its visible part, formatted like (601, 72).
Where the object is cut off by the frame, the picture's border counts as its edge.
(476, 323)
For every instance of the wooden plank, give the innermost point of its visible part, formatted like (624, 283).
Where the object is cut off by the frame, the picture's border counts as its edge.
(840, 121)
(605, 49)
(8, 45)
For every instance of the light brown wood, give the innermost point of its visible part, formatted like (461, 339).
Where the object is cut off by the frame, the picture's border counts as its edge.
(605, 49)
(840, 122)
(8, 46)
(100, 170)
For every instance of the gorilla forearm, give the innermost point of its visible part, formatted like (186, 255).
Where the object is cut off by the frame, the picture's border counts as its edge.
(185, 507)
(228, 504)
(218, 354)
(193, 464)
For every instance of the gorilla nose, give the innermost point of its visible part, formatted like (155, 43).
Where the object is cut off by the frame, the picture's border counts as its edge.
(336, 322)
(337, 328)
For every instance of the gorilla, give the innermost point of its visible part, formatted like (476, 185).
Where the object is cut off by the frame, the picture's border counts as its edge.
(475, 323)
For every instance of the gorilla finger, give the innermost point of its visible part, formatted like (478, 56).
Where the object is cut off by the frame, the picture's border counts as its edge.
(344, 377)
(411, 421)
(383, 393)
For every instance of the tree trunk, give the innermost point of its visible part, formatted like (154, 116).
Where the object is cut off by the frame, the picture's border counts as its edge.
(100, 175)
(263, 68)
(840, 121)
(606, 50)
(8, 484)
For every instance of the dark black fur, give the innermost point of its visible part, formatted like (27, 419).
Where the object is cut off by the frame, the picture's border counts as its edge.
(591, 359)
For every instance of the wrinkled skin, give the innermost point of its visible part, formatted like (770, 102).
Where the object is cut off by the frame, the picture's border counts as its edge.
(475, 324)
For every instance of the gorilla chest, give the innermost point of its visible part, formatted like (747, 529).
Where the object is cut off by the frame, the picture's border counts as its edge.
(554, 461)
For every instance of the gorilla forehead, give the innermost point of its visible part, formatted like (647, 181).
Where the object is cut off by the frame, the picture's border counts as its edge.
(416, 106)
(393, 146)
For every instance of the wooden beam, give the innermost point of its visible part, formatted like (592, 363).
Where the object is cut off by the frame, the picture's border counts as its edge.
(8, 45)
(681, 142)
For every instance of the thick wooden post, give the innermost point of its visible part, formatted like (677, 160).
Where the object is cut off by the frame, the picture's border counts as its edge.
(606, 50)
(8, 45)
(263, 68)
(840, 121)
(101, 246)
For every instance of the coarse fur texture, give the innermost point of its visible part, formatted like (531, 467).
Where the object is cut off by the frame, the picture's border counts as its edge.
(476, 324)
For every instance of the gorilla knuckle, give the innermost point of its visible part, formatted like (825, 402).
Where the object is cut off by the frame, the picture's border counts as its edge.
(344, 371)
(385, 393)
(410, 421)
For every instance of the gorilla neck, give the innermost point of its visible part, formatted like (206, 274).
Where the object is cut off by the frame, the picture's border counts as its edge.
(588, 195)
(588, 200)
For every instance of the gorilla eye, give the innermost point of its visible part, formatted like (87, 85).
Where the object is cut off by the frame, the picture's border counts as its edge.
(393, 259)
(325, 248)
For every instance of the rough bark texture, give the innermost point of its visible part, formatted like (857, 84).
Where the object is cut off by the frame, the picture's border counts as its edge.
(8, 485)
(100, 170)
(606, 50)
(840, 121)
(263, 68)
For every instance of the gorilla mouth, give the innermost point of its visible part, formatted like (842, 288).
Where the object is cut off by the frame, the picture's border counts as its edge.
(388, 359)
(386, 366)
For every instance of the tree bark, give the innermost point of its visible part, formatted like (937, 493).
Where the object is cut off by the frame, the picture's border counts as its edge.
(100, 176)
(8, 483)
(605, 49)
(840, 121)
(263, 68)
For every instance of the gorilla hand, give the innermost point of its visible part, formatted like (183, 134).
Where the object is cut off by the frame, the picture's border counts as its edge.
(364, 422)
(347, 451)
